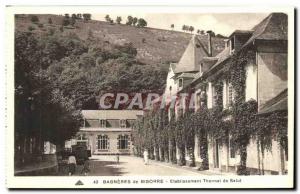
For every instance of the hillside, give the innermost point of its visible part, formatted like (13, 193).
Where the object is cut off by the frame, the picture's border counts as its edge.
(84, 61)
(153, 45)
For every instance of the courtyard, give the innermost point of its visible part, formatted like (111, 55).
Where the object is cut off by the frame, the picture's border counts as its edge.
(132, 166)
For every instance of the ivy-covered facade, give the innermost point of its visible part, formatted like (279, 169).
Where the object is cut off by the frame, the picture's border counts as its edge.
(230, 115)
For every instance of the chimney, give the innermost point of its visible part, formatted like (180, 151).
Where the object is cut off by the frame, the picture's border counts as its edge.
(209, 44)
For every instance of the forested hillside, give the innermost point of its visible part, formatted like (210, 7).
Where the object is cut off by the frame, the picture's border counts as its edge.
(62, 68)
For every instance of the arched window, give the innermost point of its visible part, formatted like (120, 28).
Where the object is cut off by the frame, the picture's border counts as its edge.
(103, 142)
(123, 142)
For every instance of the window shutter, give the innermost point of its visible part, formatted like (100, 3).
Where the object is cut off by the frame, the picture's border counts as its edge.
(97, 142)
(108, 144)
(118, 142)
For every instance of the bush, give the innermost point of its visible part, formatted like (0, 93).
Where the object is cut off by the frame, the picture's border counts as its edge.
(66, 22)
(34, 19)
(31, 28)
(40, 25)
(51, 31)
(50, 21)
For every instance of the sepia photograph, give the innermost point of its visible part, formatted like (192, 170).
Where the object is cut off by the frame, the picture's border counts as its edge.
(154, 99)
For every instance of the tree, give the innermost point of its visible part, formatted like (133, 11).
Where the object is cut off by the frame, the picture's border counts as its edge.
(118, 20)
(79, 16)
(49, 21)
(34, 19)
(134, 21)
(107, 18)
(212, 34)
(67, 16)
(220, 36)
(74, 16)
(129, 20)
(66, 21)
(36, 99)
(191, 29)
(172, 26)
(141, 23)
(86, 17)
(185, 28)
(73, 20)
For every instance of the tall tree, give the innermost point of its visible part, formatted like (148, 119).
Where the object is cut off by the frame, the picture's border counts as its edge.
(141, 23)
(34, 19)
(107, 18)
(118, 20)
(49, 21)
(86, 17)
(129, 20)
(172, 26)
(191, 29)
(134, 21)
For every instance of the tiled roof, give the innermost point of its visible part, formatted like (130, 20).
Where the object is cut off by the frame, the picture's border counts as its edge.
(107, 129)
(273, 27)
(173, 66)
(187, 75)
(241, 32)
(195, 51)
(278, 103)
(222, 56)
(111, 114)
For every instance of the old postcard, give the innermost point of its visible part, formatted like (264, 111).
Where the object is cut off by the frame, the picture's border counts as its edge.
(150, 97)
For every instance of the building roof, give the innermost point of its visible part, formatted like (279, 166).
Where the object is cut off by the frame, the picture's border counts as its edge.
(111, 114)
(273, 27)
(187, 75)
(173, 66)
(241, 32)
(278, 103)
(195, 51)
(191, 57)
(106, 129)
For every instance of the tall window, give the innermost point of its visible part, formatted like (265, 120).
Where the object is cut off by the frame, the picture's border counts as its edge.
(232, 148)
(81, 137)
(102, 123)
(214, 96)
(232, 43)
(201, 68)
(123, 142)
(198, 99)
(230, 95)
(123, 123)
(180, 82)
(103, 142)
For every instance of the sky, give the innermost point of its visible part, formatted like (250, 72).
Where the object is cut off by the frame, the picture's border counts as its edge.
(224, 23)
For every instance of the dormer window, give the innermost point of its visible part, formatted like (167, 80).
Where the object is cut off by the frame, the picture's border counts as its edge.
(201, 68)
(180, 82)
(232, 45)
(122, 123)
(102, 123)
(227, 43)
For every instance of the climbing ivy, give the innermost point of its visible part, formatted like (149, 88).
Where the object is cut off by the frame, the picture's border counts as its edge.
(241, 122)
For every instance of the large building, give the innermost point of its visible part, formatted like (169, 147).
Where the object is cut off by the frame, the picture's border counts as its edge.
(261, 55)
(108, 132)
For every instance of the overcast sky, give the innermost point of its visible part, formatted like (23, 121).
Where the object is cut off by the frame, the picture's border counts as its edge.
(220, 23)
